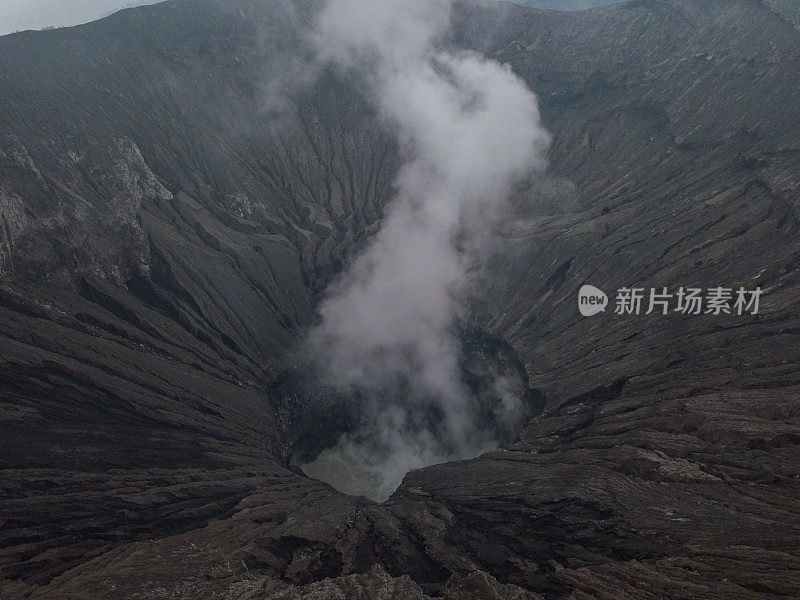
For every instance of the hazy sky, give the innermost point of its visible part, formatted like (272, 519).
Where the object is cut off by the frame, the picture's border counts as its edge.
(18, 15)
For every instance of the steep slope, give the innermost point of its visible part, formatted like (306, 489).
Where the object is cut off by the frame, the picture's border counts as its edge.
(164, 239)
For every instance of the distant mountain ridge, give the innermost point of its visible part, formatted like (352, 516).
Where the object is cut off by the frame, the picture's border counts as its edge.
(566, 4)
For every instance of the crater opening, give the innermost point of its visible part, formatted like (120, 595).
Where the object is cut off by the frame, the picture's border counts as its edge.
(363, 443)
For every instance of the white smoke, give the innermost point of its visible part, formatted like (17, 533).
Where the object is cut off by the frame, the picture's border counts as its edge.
(469, 131)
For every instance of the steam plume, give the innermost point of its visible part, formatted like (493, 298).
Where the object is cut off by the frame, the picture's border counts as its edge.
(469, 130)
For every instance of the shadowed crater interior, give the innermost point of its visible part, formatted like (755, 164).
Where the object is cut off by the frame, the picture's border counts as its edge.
(363, 444)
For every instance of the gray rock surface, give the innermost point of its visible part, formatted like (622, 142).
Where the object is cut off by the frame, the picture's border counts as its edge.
(164, 240)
